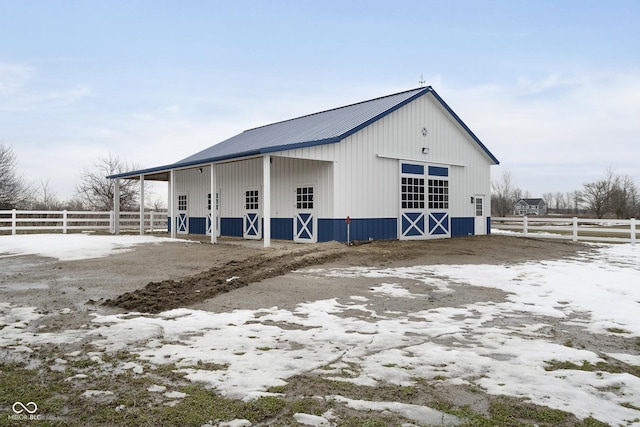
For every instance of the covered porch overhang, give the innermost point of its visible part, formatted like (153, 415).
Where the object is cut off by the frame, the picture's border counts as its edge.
(167, 174)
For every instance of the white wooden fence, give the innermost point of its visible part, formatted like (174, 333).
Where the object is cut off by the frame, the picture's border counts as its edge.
(65, 221)
(594, 230)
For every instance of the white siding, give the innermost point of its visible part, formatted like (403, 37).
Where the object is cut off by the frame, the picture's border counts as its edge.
(235, 177)
(367, 186)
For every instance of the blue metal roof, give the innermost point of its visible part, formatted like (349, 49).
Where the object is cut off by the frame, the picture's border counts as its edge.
(325, 127)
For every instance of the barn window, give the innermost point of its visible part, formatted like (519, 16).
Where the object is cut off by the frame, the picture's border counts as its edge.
(251, 200)
(209, 201)
(412, 193)
(182, 202)
(438, 194)
(304, 198)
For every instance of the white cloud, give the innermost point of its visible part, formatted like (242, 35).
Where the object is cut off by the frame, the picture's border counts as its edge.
(554, 132)
(20, 91)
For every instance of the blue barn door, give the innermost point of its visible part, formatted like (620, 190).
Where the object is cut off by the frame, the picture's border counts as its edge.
(424, 202)
(412, 202)
(439, 221)
(251, 221)
(304, 221)
(182, 218)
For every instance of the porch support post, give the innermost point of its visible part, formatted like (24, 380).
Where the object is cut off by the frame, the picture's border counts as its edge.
(142, 205)
(266, 203)
(116, 206)
(172, 203)
(214, 222)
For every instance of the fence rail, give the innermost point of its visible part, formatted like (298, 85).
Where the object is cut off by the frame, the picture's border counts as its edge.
(594, 230)
(21, 220)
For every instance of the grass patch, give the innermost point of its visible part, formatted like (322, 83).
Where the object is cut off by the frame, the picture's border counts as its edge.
(618, 331)
(555, 365)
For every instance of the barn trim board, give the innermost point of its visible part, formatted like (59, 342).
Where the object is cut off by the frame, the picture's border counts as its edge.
(402, 166)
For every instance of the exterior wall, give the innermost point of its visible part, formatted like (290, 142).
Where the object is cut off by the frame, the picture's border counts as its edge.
(367, 169)
(358, 177)
(232, 179)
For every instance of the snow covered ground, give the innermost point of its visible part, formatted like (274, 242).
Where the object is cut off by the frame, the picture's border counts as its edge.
(502, 347)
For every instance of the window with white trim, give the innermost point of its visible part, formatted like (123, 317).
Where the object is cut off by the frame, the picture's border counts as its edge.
(209, 201)
(412, 192)
(251, 200)
(438, 192)
(182, 202)
(304, 198)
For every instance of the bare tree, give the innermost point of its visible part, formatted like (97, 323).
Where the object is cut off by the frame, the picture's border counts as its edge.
(46, 198)
(504, 195)
(96, 191)
(14, 191)
(623, 199)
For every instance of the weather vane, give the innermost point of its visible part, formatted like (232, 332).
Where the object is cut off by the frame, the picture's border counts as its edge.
(421, 82)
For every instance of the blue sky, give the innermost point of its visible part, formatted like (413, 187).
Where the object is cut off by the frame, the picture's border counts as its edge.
(552, 88)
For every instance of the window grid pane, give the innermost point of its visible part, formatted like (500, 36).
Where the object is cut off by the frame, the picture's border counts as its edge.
(438, 194)
(251, 200)
(182, 202)
(304, 198)
(412, 193)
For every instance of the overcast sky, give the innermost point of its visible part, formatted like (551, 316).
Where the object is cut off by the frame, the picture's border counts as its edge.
(552, 88)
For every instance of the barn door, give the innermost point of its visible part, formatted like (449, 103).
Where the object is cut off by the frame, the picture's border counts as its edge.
(439, 221)
(304, 221)
(251, 228)
(412, 202)
(182, 219)
(480, 225)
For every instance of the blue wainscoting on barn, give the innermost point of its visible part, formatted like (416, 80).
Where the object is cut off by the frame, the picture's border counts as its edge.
(231, 227)
(197, 225)
(462, 226)
(361, 229)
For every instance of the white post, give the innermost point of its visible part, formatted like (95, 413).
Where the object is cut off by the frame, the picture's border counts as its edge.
(525, 228)
(13, 221)
(111, 224)
(142, 205)
(633, 231)
(214, 223)
(116, 207)
(172, 203)
(64, 221)
(266, 200)
(575, 228)
(151, 219)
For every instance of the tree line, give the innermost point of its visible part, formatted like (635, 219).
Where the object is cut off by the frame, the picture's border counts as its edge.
(93, 191)
(611, 196)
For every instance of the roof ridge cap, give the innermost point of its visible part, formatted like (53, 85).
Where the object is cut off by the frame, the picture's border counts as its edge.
(426, 89)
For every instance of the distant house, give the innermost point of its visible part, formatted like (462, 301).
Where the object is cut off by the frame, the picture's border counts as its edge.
(530, 207)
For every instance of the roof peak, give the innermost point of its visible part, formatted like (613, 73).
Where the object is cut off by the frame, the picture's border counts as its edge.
(416, 90)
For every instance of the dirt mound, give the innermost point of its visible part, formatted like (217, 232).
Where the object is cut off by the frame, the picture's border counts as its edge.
(244, 270)
(168, 294)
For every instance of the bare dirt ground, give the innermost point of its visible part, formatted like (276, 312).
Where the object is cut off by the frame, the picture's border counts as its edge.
(158, 277)
(236, 274)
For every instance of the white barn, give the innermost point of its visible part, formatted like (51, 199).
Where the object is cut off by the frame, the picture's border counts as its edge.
(403, 166)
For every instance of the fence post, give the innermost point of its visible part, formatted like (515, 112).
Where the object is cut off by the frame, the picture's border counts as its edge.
(151, 219)
(633, 231)
(575, 228)
(64, 222)
(111, 226)
(13, 221)
(525, 227)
